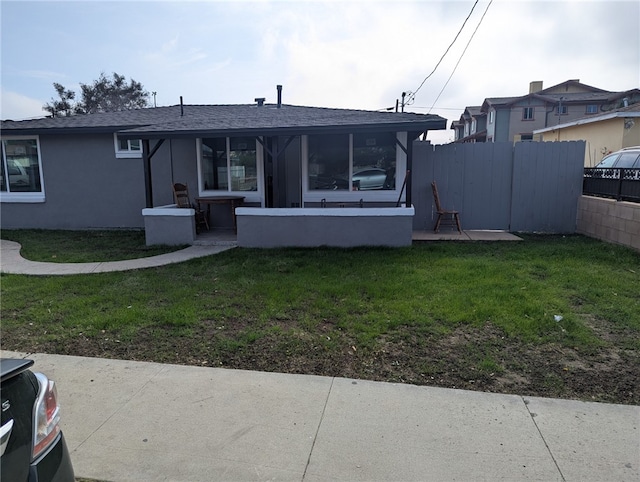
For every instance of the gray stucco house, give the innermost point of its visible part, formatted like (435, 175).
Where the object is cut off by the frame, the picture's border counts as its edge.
(116, 169)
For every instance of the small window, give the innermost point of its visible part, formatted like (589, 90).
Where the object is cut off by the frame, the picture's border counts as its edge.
(473, 126)
(592, 109)
(527, 113)
(491, 116)
(526, 137)
(127, 148)
(561, 110)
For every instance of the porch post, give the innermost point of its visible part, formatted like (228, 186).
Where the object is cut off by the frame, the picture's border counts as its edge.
(409, 168)
(146, 161)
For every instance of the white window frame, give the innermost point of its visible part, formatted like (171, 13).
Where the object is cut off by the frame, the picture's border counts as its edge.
(126, 153)
(474, 126)
(492, 114)
(525, 110)
(591, 109)
(23, 197)
(390, 195)
(249, 196)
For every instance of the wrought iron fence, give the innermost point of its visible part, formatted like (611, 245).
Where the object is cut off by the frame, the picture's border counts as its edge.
(616, 183)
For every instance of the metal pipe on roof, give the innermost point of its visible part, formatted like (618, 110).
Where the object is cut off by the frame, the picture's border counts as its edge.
(279, 87)
(181, 108)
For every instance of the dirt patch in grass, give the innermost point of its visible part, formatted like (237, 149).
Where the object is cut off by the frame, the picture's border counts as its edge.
(468, 357)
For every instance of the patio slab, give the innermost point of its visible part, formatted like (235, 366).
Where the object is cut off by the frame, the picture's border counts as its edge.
(469, 235)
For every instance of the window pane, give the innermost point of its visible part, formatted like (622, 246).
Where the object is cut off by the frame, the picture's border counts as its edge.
(244, 172)
(627, 160)
(374, 161)
(22, 168)
(123, 145)
(329, 162)
(134, 145)
(214, 163)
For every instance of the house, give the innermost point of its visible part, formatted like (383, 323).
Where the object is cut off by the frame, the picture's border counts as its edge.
(102, 170)
(513, 119)
(472, 126)
(604, 133)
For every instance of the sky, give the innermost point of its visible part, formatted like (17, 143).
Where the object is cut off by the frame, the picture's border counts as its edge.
(343, 54)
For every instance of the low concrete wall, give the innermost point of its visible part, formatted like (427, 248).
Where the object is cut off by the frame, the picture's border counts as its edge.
(169, 225)
(609, 220)
(312, 227)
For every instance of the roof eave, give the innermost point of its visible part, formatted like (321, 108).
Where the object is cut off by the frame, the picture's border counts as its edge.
(422, 126)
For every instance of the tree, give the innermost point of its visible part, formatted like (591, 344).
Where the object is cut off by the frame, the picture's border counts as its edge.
(103, 95)
(63, 106)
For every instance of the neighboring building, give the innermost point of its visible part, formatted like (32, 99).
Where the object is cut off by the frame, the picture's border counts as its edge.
(513, 119)
(101, 170)
(604, 133)
(472, 126)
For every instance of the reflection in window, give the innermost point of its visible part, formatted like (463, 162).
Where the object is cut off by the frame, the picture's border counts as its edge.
(235, 167)
(20, 167)
(374, 161)
(242, 159)
(329, 162)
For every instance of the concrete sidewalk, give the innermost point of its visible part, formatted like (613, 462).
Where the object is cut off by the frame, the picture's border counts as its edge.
(135, 421)
(13, 263)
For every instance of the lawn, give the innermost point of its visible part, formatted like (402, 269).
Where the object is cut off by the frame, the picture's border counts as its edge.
(551, 316)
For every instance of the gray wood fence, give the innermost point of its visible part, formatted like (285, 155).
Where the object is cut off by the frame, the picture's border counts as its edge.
(526, 187)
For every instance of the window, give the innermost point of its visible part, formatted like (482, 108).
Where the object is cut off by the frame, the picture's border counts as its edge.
(561, 110)
(374, 162)
(473, 126)
(127, 148)
(492, 115)
(329, 162)
(592, 109)
(229, 164)
(20, 170)
(358, 162)
(527, 113)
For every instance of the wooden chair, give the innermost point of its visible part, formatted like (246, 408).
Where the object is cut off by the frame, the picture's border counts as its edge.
(182, 199)
(449, 217)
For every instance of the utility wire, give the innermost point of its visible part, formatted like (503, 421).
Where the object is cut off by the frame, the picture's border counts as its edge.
(413, 94)
(461, 55)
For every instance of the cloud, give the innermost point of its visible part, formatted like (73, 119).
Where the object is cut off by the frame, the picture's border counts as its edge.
(16, 106)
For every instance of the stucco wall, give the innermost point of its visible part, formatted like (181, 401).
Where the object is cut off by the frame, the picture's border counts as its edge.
(601, 137)
(312, 227)
(609, 220)
(87, 187)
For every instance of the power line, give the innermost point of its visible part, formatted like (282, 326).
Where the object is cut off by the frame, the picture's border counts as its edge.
(461, 55)
(413, 94)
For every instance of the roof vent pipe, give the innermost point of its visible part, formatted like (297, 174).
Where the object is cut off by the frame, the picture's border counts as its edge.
(279, 87)
(260, 101)
(181, 108)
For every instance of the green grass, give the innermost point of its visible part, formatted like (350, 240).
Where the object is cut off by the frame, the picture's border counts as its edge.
(337, 305)
(83, 246)
(518, 287)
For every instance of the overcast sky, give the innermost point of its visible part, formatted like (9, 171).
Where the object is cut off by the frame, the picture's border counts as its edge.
(346, 54)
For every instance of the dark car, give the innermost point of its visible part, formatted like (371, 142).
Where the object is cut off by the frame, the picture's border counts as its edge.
(32, 446)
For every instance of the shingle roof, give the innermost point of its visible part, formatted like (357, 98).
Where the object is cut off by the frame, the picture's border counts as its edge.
(228, 119)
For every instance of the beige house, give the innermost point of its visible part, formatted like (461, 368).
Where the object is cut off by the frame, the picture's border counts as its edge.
(514, 119)
(603, 133)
